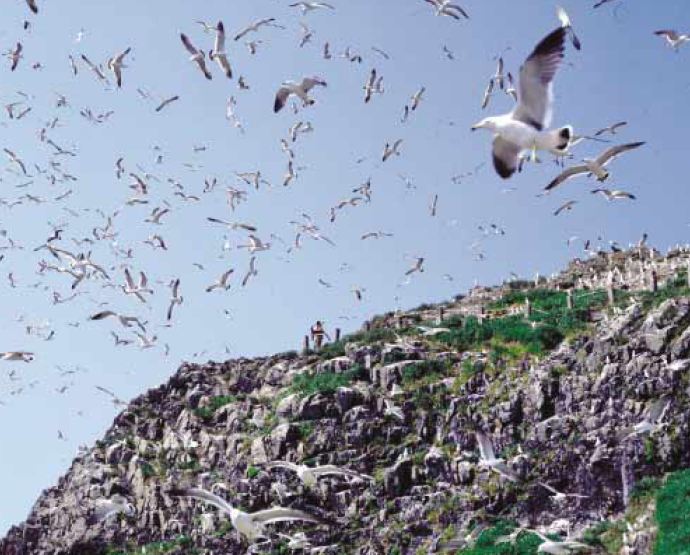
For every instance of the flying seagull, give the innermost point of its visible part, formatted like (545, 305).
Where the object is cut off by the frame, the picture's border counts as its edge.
(595, 166)
(300, 90)
(106, 509)
(125, 321)
(175, 299)
(614, 194)
(559, 496)
(310, 475)
(218, 53)
(307, 7)
(651, 422)
(389, 150)
(565, 207)
(445, 7)
(32, 5)
(251, 272)
(17, 356)
(674, 38)
(115, 64)
(525, 128)
(197, 56)
(256, 25)
(488, 458)
(222, 282)
(250, 525)
(613, 129)
(15, 55)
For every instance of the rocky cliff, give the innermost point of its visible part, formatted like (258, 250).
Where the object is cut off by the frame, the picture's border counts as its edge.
(555, 372)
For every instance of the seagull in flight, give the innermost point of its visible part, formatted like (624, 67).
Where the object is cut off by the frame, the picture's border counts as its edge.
(175, 299)
(106, 509)
(249, 525)
(566, 207)
(526, 127)
(445, 7)
(218, 53)
(222, 282)
(138, 290)
(256, 25)
(310, 475)
(32, 5)
(595, 166)
(196, 55)
(252, 272)
(300, 90)
(651, 422)
(559, 496)
(488, 458)
(614, 194)
(115, 64)
(674, 39)
(17, 356)
(307, 7)
(389, 150)
(125, 321)
(613, 129)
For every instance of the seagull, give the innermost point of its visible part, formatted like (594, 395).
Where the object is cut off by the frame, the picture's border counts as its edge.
(611, 128)
(393, 410)
(98, 72)
(146, 342)
(445, 7)
(250, 525)
(417, 98)
(15, 159)
(256, 25)
(106, 509)
(297, 541)
(310, 475)
(307, 7)
(222, 282)
(525, 128)
(558, 496)
(218, 53)
(176, 298)
(567, 24)
(15, 55)
(614, 194)
(252, 272)
(418, 267)
(197, 56)
(601, 3)
(430, 332)
(389, 150)
(488, 458)
(300, 90)
(370, 86)
(156, 215)
(166, 101)
(125, 321)
(32, 5)
(206, 26)
(255, 245)
(17, 356)
(233, 225)
(673, 38)
(568, 206)
(595, 166)
(376, 235)
(555, 547)
(131, 288)
(652, 419)
(115, 65)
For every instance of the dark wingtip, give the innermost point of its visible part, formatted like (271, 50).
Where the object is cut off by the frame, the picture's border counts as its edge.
(554, 41)
(503, 169)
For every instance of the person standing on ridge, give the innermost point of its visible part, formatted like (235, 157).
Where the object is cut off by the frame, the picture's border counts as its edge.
(317, 335)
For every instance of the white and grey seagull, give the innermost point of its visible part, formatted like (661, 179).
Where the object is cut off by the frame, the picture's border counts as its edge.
(488, 458)
(256, 25)
(17, 356)
(594, 166)
(196, 55)
(614, 194)
(445, 7)
(218, 53)
(310, 475)
(674, 39)
(651, 422)
(115, 64)
(301, 90)
(526, 127)
(249, 525)
(222, 282)
(307, 7)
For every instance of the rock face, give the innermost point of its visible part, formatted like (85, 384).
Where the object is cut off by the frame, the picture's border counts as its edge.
(560, 419)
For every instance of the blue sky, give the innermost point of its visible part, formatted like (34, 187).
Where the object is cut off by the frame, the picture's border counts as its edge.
(623, 72)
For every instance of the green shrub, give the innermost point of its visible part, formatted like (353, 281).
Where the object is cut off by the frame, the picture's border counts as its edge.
(325, 382)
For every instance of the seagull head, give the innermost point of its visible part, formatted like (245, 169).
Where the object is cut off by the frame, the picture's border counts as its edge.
(486, 123)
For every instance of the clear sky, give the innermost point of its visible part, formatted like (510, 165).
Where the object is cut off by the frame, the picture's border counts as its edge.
(623, 72)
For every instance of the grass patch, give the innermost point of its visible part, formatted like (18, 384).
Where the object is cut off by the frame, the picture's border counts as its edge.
(673, 515)
(326, 383)
(206, 413)
(428, 371)
(526, 543)
(158, 548)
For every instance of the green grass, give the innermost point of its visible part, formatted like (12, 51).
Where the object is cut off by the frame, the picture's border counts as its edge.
(526, 543)
(428, 371)
(326, 383)
(215, 403)
(673, 516)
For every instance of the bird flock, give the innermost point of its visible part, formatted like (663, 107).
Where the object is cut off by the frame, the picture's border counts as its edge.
(79, 266)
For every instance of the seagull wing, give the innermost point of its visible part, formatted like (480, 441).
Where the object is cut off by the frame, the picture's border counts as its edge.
(188, 44)
(486, 449)
(332, 469)
(536, 76)
(658, 408)
(565, 175)
(283, 464)
(203, 495)
(608, 155)
(506, 156)
(281, 98)
(308, 83)
(283, 514)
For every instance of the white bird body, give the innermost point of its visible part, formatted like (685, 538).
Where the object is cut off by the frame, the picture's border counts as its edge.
(249, 525)
(301, 90)
(309, 475)
(218, 53)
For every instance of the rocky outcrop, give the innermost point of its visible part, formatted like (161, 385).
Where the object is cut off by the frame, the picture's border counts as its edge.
(560, 419)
